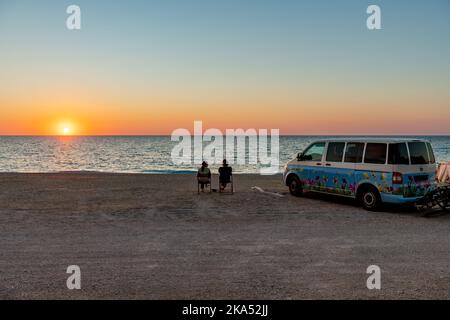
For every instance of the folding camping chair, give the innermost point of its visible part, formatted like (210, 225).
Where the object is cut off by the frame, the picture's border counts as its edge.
(206, 181)
(229, 183)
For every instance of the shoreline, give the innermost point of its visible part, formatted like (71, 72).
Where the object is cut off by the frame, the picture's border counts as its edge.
(174, 173)
(181, 173)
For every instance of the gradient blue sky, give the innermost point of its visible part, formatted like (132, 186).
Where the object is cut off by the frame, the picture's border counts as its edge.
(148, 67)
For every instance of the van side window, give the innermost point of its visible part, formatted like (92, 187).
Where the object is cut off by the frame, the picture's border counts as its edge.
(335, 151)
(418, 152)
(354, 152)
(375, 153)
(430, 151)
(398, 154)
(314, 152)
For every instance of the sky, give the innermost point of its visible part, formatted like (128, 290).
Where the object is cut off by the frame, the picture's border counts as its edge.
(150, 67)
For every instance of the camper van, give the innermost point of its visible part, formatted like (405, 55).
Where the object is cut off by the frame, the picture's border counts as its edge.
(372, 171)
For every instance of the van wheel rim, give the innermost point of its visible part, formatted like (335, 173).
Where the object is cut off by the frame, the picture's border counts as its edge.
(369, 199)
(293, 185)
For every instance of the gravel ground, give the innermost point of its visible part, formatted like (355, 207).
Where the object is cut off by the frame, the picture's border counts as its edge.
(153, 237)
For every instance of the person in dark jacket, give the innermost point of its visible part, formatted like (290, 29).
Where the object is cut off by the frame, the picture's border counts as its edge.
(225, 173)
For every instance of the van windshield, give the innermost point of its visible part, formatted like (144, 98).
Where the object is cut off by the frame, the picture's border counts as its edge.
(418, 152)
(398, 153)
(314, 152)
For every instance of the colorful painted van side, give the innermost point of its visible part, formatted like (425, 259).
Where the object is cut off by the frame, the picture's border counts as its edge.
(372, 170)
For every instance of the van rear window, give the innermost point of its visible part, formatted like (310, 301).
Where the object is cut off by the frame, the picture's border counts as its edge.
(418, 152)
(398, 154)
(375, 153)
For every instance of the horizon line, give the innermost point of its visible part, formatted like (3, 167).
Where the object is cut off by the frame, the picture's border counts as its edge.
(281, 135)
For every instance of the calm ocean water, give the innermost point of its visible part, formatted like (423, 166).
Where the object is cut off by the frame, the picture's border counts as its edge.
(131, 154)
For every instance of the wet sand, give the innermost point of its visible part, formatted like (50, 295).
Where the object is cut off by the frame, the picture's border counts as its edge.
(153, 237)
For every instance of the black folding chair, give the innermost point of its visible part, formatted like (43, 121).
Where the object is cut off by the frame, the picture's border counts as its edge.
(230, 183)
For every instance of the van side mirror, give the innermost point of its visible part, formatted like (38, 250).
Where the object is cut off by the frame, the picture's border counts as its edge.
(300, 157)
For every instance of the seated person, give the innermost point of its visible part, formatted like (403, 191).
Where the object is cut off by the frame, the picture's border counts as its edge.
(225, 173)
(204, 175)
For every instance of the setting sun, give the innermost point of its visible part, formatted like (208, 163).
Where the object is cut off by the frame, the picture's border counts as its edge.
(66, 128)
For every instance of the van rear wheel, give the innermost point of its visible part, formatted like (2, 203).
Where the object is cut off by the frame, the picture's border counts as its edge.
(295, 186)
(370, 198)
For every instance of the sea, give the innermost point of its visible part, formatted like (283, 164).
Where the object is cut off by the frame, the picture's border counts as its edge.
(137, 154)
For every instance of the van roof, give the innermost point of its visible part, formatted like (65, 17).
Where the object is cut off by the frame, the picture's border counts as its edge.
(372, 139)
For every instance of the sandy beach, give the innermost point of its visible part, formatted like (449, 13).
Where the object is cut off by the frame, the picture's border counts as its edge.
(153, 237)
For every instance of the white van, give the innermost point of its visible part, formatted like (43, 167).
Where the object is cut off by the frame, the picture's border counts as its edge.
(372, 170)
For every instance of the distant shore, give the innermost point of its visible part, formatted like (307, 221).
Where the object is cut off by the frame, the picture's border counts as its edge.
(151, 236)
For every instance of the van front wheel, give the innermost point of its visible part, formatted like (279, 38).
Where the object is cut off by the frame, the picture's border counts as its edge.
(370, 198)
(295, 186)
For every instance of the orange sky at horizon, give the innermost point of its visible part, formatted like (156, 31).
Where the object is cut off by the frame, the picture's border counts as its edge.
(102, 108)
(303, 118)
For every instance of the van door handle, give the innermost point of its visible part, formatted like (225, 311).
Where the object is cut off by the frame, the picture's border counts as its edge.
(319, 164)
(328, 164)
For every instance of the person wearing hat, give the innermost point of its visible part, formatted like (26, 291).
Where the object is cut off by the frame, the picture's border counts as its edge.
(204, 175)
(225, 173)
